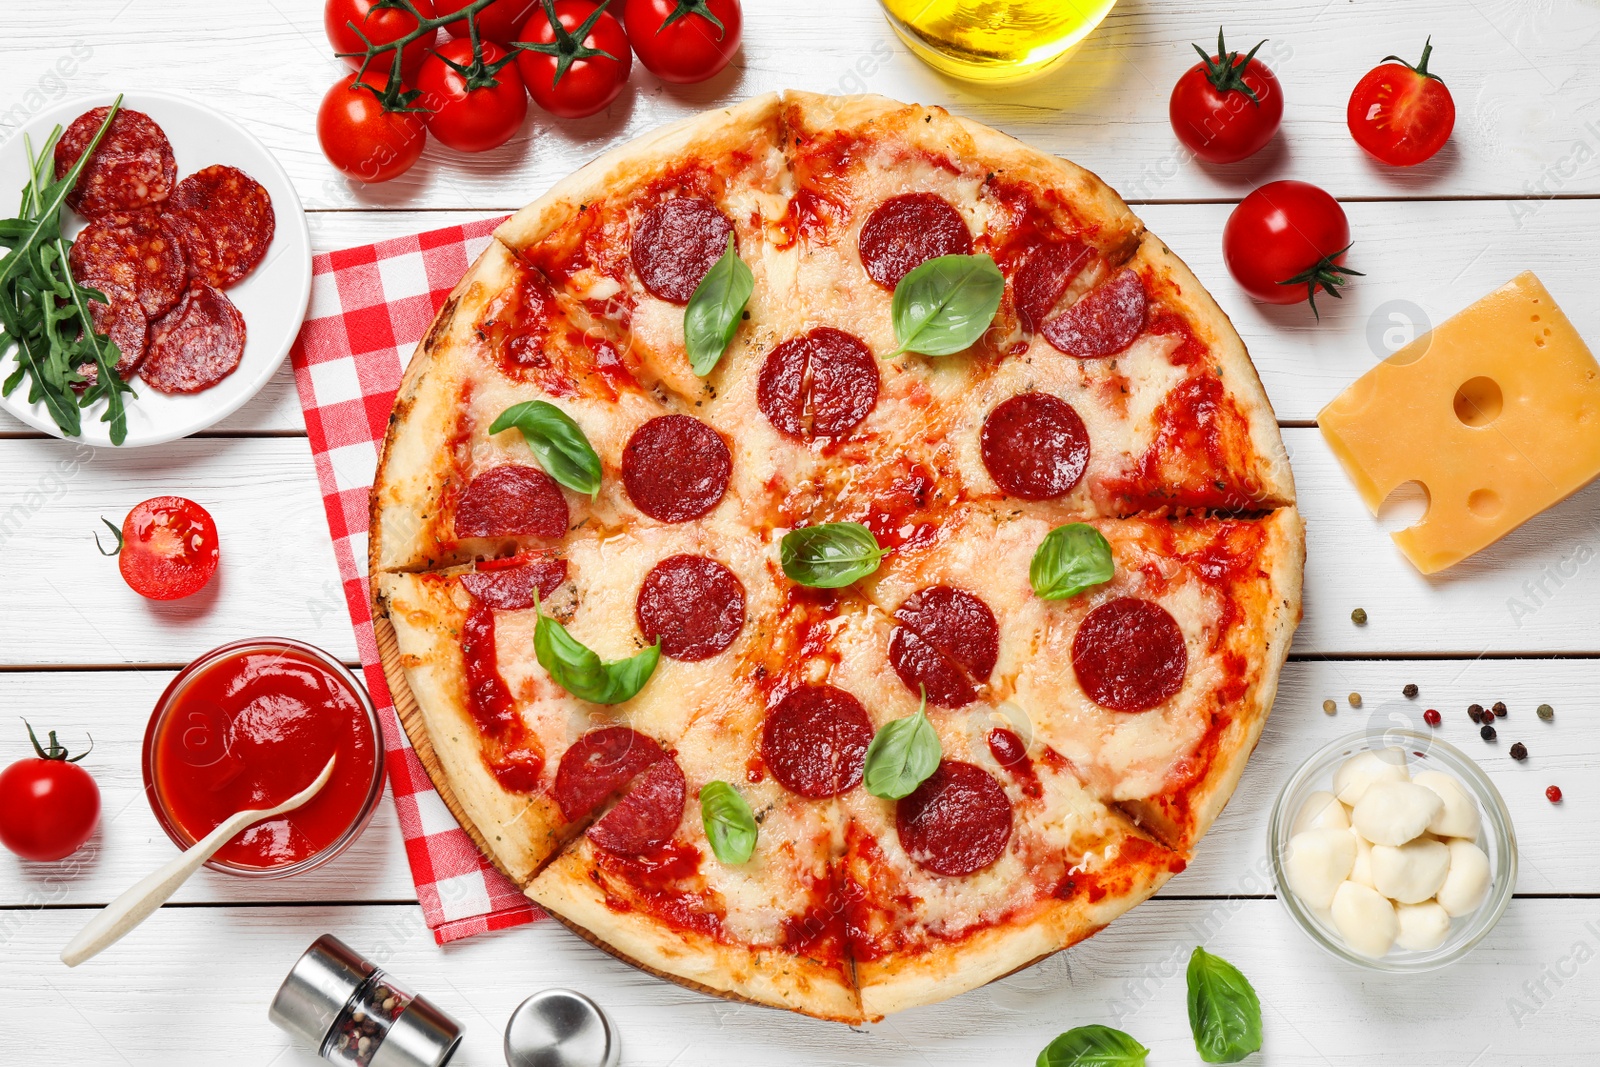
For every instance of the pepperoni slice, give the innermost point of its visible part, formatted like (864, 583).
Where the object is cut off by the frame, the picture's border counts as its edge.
(647, 815)
(132, 166)
(132, 254)
(1104, 321)
(598, 765)
(511, 588)
(227, 225)
(693, 604)
(1044, 275)
(676, 468)
(512, 501)
(1035, 446)
(947, 641)
(122, 321)
(815, 741)
(196, 344)
(1129, 655)
(957, 822)
(819, 384)
(676, 242)
(904, 232)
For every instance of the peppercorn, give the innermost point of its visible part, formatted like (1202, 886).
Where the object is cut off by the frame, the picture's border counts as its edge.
(1500, 708)
(1553, 794)
(1488, 715)
(1355, 700)
(1410, 691)
(1486, 732)
(1475, 712)
(1359, 616)
(1546, 712)
(1431, 717)
(1519, 751)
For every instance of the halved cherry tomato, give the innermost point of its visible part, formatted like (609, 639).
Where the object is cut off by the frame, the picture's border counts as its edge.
(167, 548)
(380, 25)
(360, 138)
(1226, 107)
(48, 804)
(579, 70)
(1285, 241)
(684, 40)
(472, 106)
(498, 22)
(1401, 114)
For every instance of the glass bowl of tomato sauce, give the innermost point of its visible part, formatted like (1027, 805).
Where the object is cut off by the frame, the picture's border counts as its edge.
(248, 725)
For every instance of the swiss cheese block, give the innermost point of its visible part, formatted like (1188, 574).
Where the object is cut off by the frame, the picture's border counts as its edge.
(1496, 413)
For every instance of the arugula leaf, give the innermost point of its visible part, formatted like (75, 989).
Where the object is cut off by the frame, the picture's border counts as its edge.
(1224, 1011)
(830, 555)
(946, 304)
(1093, 1046)
(557, 442)
(902, 755)
(1069, 560)
(712, 317)
(577, 669)
(730, 825)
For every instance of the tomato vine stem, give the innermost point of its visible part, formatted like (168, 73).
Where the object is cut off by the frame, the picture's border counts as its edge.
(394, 96)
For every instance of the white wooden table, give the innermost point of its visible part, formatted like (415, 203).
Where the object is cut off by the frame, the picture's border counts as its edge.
(1515, 188)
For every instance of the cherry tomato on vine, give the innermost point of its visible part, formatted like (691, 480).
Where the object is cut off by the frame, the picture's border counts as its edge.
(1226, 107)
(360, 138)
(578, 69)
(1401, 114)
(1285, 241)
(498, 22)
(48, 804)
(472, 106)
(167, 548)
(684, 41)
(381, 25)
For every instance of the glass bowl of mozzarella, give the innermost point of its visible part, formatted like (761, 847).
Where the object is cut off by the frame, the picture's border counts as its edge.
(1393, 851)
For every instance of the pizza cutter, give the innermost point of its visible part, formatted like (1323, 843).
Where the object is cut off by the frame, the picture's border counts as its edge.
(560, 1028)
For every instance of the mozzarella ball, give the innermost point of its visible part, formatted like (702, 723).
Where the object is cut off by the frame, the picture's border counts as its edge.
(1460, 815)
(1316, 862)
(1365, 919)
(1321, 809)
(1412, 872)
(1423, 926)
(1392, 813)
(1362, 871)
(1365, 769)
(1467, 883)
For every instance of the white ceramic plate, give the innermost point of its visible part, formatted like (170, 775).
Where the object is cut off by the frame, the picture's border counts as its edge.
(273, 298)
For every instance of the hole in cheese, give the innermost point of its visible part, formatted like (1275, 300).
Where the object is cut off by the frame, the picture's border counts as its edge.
(1484, 503)
(1406, 505)
(1478, 401)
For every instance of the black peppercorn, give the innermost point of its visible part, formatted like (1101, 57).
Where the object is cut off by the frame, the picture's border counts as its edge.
(1519, 751)
(1487, 733)
(1410, 690)
(1500, 708)
(1475, 712)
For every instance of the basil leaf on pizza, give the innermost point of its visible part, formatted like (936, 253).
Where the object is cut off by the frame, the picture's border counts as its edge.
(557, 442)
(712, 317)
(577, 669)
(1093, 1046)
(730, 825)
(830, 555)
(1069, 560)
(1224, 1011)
(946, 304)
(902, 755)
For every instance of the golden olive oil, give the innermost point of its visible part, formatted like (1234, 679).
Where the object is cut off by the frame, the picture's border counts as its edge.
(993, 40)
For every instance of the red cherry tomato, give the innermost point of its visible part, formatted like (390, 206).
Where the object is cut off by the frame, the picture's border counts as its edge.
(48, 804)
(566, 74)
(684, 40)
(1285, 241)
(168, 548)
(476, 111)
(381, 25)
(498, 22)
(1400, 113)
(360, 138)
(1227, 106)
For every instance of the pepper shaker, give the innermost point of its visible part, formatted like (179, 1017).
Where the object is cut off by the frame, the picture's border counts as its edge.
(560, 1028)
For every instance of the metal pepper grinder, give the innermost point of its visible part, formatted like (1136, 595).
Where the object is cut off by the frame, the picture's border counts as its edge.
(560, 1028)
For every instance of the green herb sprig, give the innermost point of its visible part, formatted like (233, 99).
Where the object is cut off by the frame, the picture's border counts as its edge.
(729, 822)
(945, 305)
(830, 555)
(1224, 1011)
(557, 442)
(903, 754)
(578, 670)
(712, 317)
(1070, 559)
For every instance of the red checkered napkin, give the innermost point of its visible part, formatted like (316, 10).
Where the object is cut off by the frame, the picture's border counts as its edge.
(369, 308)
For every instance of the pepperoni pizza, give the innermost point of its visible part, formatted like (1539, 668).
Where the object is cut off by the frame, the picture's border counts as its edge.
(1085, 743)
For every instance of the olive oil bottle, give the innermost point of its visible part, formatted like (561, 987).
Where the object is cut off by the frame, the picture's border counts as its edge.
(993, 40)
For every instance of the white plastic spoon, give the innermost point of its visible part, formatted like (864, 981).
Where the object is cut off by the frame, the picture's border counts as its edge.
(149, 893)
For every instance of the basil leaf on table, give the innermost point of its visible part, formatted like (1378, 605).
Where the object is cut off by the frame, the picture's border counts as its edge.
(946, 304)
(580, 672)
(1069, 560)
(730, 825)
(558, 443)
(1093, 1046)
(712, 317)
(1224, 1011)
(830, 555)
(902, 755)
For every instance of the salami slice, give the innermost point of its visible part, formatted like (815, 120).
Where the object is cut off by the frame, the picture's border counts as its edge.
(1034, 446)
(906, 231)
(1104, 321)
(132, 166)
(647, 815)
(227, 223)
(1129, 655)
(598, 765)
(819, 384)
(132, 254)
(676, 243)
(676, 468)
(123, 322)
(947, 642)
(512, 501)
(511, 588)
(814, 741)
(1044, 275)
(957, 822)
(693, 604)
(196, 344)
